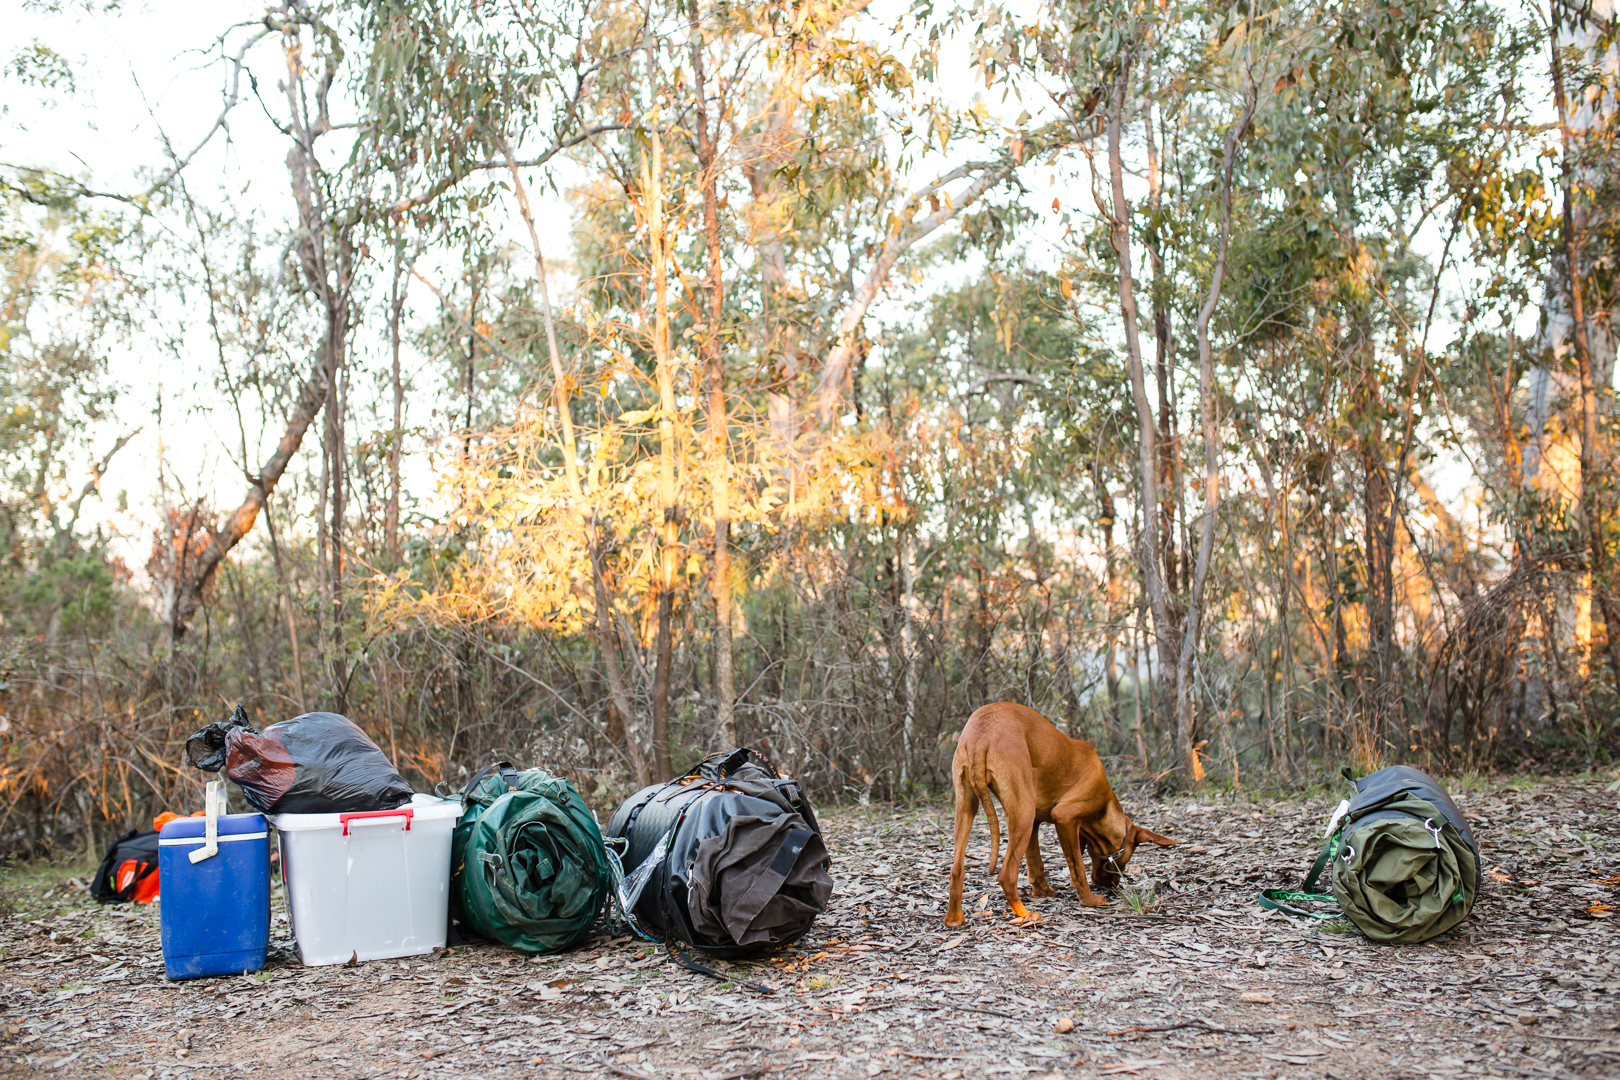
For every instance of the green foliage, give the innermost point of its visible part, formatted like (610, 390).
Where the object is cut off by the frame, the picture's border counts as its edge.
(37, 64)
(73, 595)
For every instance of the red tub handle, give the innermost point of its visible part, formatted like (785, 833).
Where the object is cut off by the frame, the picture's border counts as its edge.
(405, 812)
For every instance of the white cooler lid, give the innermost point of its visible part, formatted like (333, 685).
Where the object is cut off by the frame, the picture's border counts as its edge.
(423, 807)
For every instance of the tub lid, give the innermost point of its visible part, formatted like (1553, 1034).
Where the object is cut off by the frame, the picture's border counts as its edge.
(422, 808)
(229, 825)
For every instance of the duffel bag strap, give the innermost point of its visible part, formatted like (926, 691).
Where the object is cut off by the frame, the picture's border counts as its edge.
(1287, 901)
(1314, 876)
(143, 871)
(672, 947)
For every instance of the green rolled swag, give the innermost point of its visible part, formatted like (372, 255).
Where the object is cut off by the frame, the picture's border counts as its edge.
(527, 865)
(1404, 873)
(1401, 860)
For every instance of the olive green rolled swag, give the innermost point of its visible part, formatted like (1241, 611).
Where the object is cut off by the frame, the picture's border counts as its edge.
(527, 865)
(1403, 873)
(1402, 862)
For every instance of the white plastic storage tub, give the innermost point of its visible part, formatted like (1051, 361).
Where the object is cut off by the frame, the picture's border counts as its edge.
(368, 885)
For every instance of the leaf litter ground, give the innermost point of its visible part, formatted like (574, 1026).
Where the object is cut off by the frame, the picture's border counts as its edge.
(1201, 984)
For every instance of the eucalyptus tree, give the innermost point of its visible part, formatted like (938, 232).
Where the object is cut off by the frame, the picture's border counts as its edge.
(1368, 151)
(188, 576)
(1102, 62)
(64, 303)
(464, 100)
(1333, 130)
(1568, 463)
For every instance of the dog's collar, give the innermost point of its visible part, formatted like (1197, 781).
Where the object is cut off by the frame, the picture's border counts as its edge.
(1111, 859)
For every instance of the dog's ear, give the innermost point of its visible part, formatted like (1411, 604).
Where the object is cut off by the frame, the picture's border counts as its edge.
(1148, 837)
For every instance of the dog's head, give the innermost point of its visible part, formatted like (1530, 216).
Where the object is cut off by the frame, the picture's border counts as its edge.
(1109, 864)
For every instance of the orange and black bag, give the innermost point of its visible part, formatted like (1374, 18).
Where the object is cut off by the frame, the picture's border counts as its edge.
(129, 870)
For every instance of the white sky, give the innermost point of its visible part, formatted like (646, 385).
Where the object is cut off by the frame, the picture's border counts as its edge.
(149, 72)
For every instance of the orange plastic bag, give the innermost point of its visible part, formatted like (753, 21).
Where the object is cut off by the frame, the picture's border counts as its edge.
(169, 815)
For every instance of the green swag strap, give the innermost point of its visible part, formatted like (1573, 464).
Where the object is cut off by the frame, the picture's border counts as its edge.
(1287, 901)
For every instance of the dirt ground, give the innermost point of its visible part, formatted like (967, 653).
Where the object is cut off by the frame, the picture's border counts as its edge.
(1202, 985)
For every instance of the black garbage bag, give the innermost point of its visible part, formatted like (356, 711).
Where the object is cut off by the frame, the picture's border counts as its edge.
(316, 763)
(728, 858)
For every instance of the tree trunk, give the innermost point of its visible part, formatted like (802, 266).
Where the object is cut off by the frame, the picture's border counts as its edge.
(1105, 521)
(396, 311)
(725, 680)
(1186, 733)
(1164, 366)
(847, 348)
(470, 376)
(1557, 455)
(601, 629)
(1168, 639)
(979, 642)
(286, 606)
(908, 650)
(336, 334)
(189, 594)
(653, 185)
(768, 149)
(1590, 504)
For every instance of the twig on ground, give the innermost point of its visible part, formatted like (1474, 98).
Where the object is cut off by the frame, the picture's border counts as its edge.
(1213, 1029)
(629, 1074)
(966, 1008)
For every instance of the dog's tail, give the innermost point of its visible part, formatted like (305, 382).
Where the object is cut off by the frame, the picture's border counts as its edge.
(995, 829)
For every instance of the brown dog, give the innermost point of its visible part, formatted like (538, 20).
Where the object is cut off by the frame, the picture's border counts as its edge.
(1039, 774)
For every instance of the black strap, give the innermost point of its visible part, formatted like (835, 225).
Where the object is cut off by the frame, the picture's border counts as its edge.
(672, 933)
(737, 759)
(672, 948)
(146, 870)
(509, 773)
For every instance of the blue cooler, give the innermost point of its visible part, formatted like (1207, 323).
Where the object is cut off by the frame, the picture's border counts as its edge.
(216, 910)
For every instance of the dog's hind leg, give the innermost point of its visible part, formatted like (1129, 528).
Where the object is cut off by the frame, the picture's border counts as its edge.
(967, 805)
(982, 796)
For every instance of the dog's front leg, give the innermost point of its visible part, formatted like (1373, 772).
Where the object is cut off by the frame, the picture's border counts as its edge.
(1103, 877)
(1069, 837)
(1038, 885)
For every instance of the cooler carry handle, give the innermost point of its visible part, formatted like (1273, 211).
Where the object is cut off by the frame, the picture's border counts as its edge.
(405, 812)
(213, 807)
